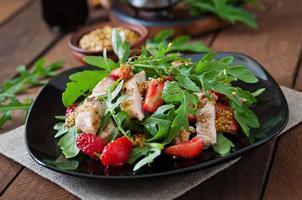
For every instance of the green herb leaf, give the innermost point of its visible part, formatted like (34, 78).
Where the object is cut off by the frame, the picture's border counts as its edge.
(225, 9)
(63, 164)
(120, 47)
(67, 143)
(158, 124)
(61, 129)
(150, 151)
(242, 73)
(101, 62)
(81, 83)
(185, 101)
(223, 145)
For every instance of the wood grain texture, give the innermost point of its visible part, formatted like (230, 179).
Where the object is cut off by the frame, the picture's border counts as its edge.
(8, 170)
(8, 8)
(298, 82)
(243, 180)
(286, 175)
(22, 39)
(277, 42)
(39, 188)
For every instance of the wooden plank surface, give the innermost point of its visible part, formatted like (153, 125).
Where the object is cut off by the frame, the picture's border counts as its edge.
(9, 8)
(23, 39)
(277, 42)
(286, 175)
(243, 180)
(40, 188)
(298, 82)
(8, 170)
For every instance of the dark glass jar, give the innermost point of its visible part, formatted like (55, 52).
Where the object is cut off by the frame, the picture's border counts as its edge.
(65, 15)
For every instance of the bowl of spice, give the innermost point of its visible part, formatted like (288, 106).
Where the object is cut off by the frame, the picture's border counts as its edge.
(94, 39)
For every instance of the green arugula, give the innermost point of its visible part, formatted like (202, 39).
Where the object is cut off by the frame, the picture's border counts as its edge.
(101, 62)
(120, 47)
(161, 43)
(186, 102)
(112, 104)
(149, 151)
(223, 145)
(67, 142)
(227, 10)
(63, 164)
(81, 83)
(25, 80)
(158, 124)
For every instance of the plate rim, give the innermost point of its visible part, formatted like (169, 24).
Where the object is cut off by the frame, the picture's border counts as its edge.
(193, 168)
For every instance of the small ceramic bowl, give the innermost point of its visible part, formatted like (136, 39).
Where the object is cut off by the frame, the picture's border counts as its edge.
(79, 53)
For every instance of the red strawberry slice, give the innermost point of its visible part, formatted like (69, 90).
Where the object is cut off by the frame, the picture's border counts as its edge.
(153, 98)
(225, 120)
(117, 152)
(123, 72)
(192, 118)
(188, 149)
(71, 108)
(90, 144)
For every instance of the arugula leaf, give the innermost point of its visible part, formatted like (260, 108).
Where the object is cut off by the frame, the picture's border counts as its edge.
(163, 35)
(25, 80)
(242, 73)
(63, 164)
(61, 129)
(112, 104)
(67, 143)
(185, 82)
(81, 83)
(120, 47)
(161, 45)
(172, 93)
(223, 145)
(150, 151)
(101, 62)
(158, 124)
(225, 9)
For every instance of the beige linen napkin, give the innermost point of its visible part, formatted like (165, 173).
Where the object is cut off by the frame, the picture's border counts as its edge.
(158, 188)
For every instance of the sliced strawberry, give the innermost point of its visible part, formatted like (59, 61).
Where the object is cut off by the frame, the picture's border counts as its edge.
(225, 120)
(90, 144)
(188, 149)
(71, 108)
(153, 98)
(123, 72)
(117, 152)
(192, 118)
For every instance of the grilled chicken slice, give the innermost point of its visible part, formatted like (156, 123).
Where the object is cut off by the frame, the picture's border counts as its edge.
(205, 126)
(132, 105)
(87, 119)
(102, 87)
(90, 112)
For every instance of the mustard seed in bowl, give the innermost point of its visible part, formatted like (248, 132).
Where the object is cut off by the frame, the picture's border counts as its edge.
(100, 38)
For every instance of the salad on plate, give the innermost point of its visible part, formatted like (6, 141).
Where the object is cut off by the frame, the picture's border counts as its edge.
(158, 102)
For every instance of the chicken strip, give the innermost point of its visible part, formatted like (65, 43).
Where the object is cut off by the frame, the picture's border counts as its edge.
(132, 105)
(205, 126)
(90, 112)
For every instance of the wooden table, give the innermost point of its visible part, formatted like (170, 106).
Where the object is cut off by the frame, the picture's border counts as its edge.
(273, 171)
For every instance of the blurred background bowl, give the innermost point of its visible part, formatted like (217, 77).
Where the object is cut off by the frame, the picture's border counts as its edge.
(79, 53)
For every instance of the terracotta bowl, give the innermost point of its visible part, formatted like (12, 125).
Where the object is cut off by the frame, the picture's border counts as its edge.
(79, 53)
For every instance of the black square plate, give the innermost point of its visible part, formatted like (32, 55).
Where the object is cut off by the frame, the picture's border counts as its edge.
(272, 110)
